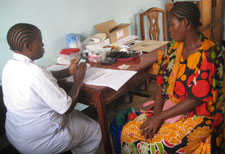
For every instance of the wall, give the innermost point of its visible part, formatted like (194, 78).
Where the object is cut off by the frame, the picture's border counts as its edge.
(57, 18)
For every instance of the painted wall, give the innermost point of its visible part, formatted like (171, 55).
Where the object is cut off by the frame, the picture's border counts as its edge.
(57, 18)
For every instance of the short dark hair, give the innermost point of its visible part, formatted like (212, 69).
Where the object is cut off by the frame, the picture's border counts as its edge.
(21, 33)
(187, 10)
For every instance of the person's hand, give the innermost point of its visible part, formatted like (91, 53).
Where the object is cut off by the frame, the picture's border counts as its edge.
(72, 66)
(79, 73)
(150, 127)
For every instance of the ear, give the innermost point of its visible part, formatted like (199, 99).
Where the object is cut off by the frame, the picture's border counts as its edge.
(185, 22)
(27, 46)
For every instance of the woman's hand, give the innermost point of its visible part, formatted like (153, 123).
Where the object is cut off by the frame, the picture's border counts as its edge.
(79, 73)
(72, 66)
(150, 127)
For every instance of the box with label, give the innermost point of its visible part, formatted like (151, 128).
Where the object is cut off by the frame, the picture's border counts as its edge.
(68, 55)
(113, 31)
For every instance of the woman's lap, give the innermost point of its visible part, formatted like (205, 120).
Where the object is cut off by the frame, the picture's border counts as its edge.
(187, 134)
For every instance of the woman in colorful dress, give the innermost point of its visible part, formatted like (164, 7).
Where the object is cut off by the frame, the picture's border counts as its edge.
(191, 77)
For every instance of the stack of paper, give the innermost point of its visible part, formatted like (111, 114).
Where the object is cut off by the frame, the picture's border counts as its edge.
(102, 77)
(107, 77)
(148, 45)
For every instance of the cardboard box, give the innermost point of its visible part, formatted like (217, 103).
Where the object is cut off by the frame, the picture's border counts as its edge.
(97, 46)
(113, 31)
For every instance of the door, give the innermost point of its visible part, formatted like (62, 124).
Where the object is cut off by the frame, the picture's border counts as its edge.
(217, 20)
(205, 7)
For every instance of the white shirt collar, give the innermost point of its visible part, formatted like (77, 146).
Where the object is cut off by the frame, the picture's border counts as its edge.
(20, 57)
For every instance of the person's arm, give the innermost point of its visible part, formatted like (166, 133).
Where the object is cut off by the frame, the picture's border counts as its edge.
(61, 73)
(183, 107)
(65, 72)
(78, 76)
(158, 106)
(159, 102)
(150, 127)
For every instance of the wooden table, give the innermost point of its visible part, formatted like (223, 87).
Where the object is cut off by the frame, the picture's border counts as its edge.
(100, 96)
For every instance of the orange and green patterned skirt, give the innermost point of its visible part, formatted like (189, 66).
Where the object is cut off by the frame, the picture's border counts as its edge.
(188, 135)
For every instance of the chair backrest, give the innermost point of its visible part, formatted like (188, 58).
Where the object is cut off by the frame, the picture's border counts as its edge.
(153, 15)
(2, 113)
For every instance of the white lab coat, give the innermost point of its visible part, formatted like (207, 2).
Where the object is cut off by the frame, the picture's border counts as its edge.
(35, 120)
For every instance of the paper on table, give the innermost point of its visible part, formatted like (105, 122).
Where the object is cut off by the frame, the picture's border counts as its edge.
(56, 67)
(106, 77)
(101, 77)
(148, 45)
(127, 39)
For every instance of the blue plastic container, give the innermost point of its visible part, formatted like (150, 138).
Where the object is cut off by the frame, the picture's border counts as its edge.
(116, 133)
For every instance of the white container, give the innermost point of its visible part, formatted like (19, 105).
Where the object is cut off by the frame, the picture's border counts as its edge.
(67, 56)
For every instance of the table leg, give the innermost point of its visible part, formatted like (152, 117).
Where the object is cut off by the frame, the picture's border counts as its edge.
(104, 126)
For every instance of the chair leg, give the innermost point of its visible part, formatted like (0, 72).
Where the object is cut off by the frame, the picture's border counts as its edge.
(131, 97)
(138, 92)
(147, 84)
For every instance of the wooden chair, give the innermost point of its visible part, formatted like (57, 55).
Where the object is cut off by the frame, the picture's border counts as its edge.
(153, 15)
(150, 29)
(5, 147)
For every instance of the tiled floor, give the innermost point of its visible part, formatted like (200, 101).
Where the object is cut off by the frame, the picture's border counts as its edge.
(123, 103)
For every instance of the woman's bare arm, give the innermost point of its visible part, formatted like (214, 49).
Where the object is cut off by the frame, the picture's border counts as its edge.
(159, 102)
(150, 127)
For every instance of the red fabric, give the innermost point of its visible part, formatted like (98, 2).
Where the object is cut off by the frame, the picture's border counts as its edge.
(132, 116)
(159, 80)
(217, 120)
(201, 110)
